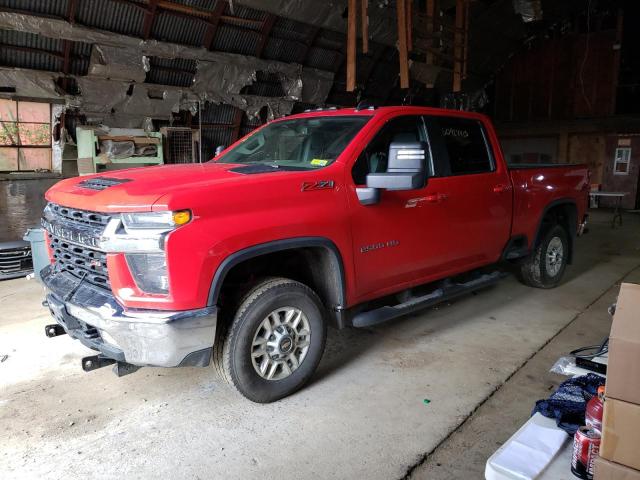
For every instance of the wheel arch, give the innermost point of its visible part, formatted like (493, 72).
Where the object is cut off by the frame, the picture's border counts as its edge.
(320, 263)
(564, 212)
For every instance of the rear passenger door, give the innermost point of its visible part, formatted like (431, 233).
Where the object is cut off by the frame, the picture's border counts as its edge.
(476, 190)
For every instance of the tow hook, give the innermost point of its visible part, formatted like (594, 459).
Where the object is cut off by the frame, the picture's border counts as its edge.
(98, 361)
(54, 330)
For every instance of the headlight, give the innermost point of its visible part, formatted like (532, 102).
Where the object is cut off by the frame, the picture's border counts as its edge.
(159, 221)
(149, 271)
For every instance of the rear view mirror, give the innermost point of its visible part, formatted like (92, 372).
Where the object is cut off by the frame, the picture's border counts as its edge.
(406, 170)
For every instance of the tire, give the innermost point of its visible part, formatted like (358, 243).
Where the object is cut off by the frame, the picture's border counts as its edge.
(536, 271)
(290, 309)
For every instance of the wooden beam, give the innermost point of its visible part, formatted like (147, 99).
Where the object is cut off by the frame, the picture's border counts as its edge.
(309, 43)
(458, 46)
(351, 46)
(212, 27)
(71, 11)
(466, 39)
(237, 123)
(365, 26)
(403, 54)
(409, 14)
(66, 59)
(149, 17)
(430, 19)
(265, 31)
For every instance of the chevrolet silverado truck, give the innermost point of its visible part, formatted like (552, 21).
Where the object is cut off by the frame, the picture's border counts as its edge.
(347, 217)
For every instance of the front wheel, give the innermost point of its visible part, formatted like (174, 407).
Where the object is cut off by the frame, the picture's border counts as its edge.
(546, 264)
(275, 340)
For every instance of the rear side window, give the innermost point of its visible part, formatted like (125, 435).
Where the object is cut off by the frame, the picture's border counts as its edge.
(465, 143)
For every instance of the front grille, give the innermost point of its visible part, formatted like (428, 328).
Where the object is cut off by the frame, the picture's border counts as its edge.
(14, 260)
(82, 217)
(80, 261)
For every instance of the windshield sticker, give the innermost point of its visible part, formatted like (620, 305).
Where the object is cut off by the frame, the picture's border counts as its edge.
(317, 162)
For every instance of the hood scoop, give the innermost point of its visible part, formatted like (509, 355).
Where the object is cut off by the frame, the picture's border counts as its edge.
(101, 183)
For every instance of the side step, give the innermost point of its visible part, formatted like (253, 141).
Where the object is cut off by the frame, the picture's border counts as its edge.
(447, 291)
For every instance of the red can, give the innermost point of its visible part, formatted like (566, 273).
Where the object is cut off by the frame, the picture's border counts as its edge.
(586, 447)
(595, 407)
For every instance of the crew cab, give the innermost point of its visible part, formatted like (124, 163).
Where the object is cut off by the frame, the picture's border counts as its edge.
(345, 217)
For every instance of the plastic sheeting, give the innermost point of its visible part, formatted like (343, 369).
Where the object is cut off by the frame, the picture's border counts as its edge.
(117, 63)
(529, 10)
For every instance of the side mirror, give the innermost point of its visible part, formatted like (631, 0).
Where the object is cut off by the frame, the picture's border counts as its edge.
(219, 150)
(406, 170)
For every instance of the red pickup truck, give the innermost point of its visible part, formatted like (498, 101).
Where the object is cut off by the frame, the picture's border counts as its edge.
(344, 217)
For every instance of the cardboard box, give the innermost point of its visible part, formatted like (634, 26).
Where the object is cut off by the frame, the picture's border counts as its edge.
(606, 470)
(621, 433)
(623, 369)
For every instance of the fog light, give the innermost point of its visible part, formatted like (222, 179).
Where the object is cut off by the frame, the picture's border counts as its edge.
(149, 272)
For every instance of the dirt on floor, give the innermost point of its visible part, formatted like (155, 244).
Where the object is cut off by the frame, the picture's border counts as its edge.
(364, 414)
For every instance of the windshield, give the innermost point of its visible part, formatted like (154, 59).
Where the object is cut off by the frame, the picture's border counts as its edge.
(300, 144)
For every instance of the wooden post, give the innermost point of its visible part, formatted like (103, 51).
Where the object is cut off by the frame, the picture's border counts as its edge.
(430, 16)
(351, 46)
(402, 44)
(466, 39)
(457, 47)
(365, 26)
(409, 14)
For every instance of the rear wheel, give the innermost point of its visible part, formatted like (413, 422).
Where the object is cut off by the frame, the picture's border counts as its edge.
(546, 264)
(275, 341)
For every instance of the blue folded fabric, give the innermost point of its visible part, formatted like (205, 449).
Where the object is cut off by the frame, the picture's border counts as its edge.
(569, 402)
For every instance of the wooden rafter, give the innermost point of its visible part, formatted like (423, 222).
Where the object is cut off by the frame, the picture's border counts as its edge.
(71, 11)
(308, 44)
(149, 18)
(214, 21)
(265, 31)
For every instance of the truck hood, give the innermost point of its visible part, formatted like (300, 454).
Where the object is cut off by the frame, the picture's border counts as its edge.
(138, 189)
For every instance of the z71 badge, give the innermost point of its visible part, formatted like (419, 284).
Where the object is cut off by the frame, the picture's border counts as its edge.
(319, 185)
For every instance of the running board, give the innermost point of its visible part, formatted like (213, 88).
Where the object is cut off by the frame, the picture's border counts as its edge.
(446, 292)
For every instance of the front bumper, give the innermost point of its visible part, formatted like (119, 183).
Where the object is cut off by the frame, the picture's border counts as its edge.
(140, 337)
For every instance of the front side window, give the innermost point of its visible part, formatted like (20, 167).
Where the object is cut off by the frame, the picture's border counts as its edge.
(297, 144)
(374, 157)
(622, 160)
(465, 144)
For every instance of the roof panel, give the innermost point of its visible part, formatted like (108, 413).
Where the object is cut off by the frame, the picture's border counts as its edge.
(284, 50)
(111, 15)
(57, 8)
(236, 40)
(179, 29)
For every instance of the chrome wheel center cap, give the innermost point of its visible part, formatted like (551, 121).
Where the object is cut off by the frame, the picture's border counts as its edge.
(281, 342)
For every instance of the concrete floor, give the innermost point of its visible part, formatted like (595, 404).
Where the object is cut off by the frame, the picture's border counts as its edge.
(363, 416)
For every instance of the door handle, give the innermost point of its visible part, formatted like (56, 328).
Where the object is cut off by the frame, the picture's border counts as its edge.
(436, 198)
(500, 188)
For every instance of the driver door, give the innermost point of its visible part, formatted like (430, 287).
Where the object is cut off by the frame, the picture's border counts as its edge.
(401, 240)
